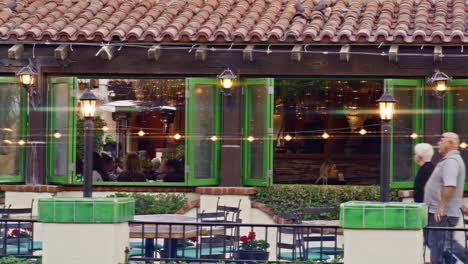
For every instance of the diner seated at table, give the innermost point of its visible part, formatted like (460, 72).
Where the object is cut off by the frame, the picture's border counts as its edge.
(329, 174)
(132, 171)
(170, 171)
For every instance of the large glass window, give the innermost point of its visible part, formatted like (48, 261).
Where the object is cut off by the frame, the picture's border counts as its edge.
(327, 131)
(11, 130)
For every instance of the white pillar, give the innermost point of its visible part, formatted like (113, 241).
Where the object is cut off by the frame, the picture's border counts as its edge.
(84, 243)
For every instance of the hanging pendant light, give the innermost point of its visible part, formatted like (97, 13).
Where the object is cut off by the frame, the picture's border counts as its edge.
(28, 74)
(439, 81)
(227, 79)
(386, 106)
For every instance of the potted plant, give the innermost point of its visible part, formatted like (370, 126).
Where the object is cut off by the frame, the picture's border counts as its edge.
(253, 249)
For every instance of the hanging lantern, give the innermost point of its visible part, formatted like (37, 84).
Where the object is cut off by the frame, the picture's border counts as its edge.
(387, 106)
(88, 104)
(439, 81)
(227, 79)
(28, 74)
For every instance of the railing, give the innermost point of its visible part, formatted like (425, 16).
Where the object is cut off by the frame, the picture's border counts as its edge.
(447, 244)
(216, 241)
(16, 238)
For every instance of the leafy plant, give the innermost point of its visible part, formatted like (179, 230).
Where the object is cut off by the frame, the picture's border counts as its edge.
(97, 140)
(14, 260)
(250, 242)
(283, 199)
(155, 204)
(175, 152)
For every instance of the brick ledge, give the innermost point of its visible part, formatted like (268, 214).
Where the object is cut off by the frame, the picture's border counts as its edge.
(31, 188)
(226, 190)
(130, 189)
(184, 209)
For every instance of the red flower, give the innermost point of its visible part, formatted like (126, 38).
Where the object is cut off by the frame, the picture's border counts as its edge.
(193, 239)
(244, 239)
(252, 235)
(15, 232)
(127, 250)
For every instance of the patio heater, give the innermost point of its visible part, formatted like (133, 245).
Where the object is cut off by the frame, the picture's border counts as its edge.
(88, 110)
(387, 108)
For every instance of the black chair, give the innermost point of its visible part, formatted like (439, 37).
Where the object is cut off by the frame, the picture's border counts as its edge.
(20, 243)
(289, 240)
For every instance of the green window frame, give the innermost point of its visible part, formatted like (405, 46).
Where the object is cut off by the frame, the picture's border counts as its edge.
(69, 85)
(448, 115)
(23, 131)
(190, 141)
(266, 86)
(417, 123)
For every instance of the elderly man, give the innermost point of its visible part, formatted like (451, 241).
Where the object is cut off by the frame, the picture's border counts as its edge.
(444, 196)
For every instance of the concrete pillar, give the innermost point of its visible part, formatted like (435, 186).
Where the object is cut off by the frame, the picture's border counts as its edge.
(84, 243)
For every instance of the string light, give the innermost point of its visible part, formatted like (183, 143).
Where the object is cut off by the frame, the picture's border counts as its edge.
(21, 142)
(325, 135)
(6, 141)
(214, 138)
(250, 139)
(105, 128)
(57, 134)
(6, 129)
(362, 131)
(177, 136)
(463, 145)
(288, 137)
(141, 133)
(414, 136)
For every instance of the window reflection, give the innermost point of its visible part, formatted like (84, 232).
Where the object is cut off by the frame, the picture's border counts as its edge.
(306, 111)
(9, 129)
(134, 130)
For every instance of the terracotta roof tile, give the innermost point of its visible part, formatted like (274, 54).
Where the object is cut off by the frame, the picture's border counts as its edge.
(347, 21)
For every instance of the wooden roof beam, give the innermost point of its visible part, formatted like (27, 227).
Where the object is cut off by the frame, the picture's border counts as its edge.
(344, 53)
(16, 52)
(154, 53)
(438, 53)
(61, 52)
(393, 53)
(247, 53)
(200, 53)
(296, 54)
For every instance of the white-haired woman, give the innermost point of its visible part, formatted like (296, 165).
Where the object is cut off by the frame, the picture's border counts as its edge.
(423, 153)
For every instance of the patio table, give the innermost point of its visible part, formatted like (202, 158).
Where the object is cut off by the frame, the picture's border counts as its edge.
(171, 233)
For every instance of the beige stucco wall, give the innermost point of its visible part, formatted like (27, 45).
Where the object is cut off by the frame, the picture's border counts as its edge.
(84, 243)
(383, 246)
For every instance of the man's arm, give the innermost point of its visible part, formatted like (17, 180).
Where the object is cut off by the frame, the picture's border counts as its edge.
(447, 194)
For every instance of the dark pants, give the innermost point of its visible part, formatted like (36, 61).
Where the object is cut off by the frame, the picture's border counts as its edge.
(441, 242)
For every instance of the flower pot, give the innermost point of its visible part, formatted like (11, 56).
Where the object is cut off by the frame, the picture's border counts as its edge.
(253, 255)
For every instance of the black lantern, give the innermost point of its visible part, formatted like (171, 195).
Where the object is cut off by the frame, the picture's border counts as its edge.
(227, 79)
(28, 74)
(439, 81)
(386, 106)
(88, 104)
(88, 110)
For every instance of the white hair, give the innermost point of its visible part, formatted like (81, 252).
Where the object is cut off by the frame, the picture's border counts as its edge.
(424, 150)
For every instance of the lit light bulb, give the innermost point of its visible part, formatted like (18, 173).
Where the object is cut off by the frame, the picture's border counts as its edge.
(6, 141)
(7, 129)
(287, 137)
(440, 86)
(414, 136)
(177, 136)
(214, 138)
(21, 142)
(362, 131)
(227, 83)
(57, 134)
(141, 133)
(325, 135)
(105, 128)
(463, 145)
(250, 139)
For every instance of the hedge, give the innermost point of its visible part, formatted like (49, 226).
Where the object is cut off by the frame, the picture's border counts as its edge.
(155, 204)
(284, 199)
(14, 260)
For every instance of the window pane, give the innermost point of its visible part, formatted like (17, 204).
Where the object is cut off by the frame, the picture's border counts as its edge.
(460, 107)
(9, 129)
(203, 129)
(307, 108)
(62, 95)
(402, 128)
(137, 130)
(257, 129)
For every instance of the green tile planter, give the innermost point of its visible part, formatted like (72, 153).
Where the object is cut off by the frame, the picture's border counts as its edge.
(86, 210)
(376, 215)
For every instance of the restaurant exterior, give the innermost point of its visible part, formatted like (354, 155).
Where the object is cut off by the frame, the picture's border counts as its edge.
(303, 99)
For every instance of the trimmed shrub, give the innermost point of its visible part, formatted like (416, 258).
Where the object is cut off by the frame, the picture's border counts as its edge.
(14, 260)
(155, 204)
(283, 199)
